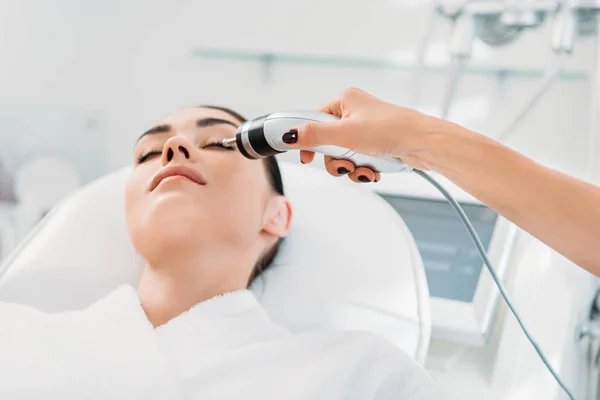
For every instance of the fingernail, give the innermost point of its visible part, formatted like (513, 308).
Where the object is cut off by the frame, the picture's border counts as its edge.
(364, 179)
(290, 136)
(342, 171)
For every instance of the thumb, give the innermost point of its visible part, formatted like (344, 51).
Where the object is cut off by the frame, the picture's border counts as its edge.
(315, 134)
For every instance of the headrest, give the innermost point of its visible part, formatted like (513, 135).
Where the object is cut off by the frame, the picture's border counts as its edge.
(349, 261)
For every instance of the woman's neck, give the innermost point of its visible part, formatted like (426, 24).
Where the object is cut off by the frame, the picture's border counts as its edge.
(168, 291)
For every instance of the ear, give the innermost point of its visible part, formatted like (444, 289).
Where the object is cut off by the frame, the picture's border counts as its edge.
(279, 217)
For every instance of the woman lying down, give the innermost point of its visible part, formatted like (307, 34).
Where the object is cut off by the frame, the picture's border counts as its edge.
(207, 221)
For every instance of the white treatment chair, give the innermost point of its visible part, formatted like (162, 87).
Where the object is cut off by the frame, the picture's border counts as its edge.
(321, 279)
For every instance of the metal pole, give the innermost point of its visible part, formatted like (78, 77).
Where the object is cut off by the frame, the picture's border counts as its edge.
(461, 48)
(454, 73)
(419, 68)
(563, 41)
(549, 79)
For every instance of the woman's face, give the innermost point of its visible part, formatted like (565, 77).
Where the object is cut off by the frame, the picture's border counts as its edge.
(187, 193)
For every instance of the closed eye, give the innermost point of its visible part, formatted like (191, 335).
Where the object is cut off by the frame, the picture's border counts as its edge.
(148, 155)
(217, 145)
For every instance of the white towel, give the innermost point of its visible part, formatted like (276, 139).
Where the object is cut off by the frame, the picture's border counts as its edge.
(223, 348)
(227, 348)
(108, 351)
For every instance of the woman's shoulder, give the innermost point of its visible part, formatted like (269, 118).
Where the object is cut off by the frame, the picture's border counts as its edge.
(19, 312)
(372, 358)
(356, 337)
(113, 303)
(361, 343)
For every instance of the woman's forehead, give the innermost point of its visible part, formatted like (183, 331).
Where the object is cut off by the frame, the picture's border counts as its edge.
(191, 115)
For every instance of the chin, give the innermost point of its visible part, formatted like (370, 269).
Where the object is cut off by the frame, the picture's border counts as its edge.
(170, 223)
(177, 216)
(159, 243)
(162, 195)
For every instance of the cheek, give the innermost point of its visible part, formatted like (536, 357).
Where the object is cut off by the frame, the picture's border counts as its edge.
(249, 177)
(134, 195)
(243, 187)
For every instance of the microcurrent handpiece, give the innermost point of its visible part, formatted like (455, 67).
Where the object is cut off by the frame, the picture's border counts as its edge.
(262, 137)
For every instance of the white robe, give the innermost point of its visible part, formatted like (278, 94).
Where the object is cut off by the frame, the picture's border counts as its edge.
(223, 348)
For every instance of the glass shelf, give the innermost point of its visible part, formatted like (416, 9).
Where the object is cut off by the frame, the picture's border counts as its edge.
(372, 63)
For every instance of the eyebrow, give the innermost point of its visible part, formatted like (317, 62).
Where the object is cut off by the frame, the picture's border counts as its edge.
(214, 121)
(156, 130)
(201, 123)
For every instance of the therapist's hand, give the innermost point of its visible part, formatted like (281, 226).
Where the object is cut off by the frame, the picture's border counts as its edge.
(371, 126)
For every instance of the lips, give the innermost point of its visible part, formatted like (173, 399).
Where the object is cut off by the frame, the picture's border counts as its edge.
(178, 170)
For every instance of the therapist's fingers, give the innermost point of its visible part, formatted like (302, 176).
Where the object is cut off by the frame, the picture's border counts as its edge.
(334, 107)
(313, 134)
(371, 126)
(306, 157)
(367, 125)
(363, 175)
(338, 167)
(344, 104)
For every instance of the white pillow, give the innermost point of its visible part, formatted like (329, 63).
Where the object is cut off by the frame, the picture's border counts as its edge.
(349, 261)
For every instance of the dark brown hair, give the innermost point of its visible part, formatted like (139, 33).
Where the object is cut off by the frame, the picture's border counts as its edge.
(276, 182)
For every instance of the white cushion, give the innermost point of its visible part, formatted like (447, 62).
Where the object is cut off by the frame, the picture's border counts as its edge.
(349, 261)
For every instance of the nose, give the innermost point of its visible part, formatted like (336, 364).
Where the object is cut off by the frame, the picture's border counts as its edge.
(179, 149)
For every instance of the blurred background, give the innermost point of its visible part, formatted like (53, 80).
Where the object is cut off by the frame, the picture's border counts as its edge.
(82, 80)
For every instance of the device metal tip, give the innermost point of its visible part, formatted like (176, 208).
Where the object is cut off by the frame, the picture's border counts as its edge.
(228, 142)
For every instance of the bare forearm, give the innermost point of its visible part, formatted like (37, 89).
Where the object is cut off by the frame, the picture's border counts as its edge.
(561, 211)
